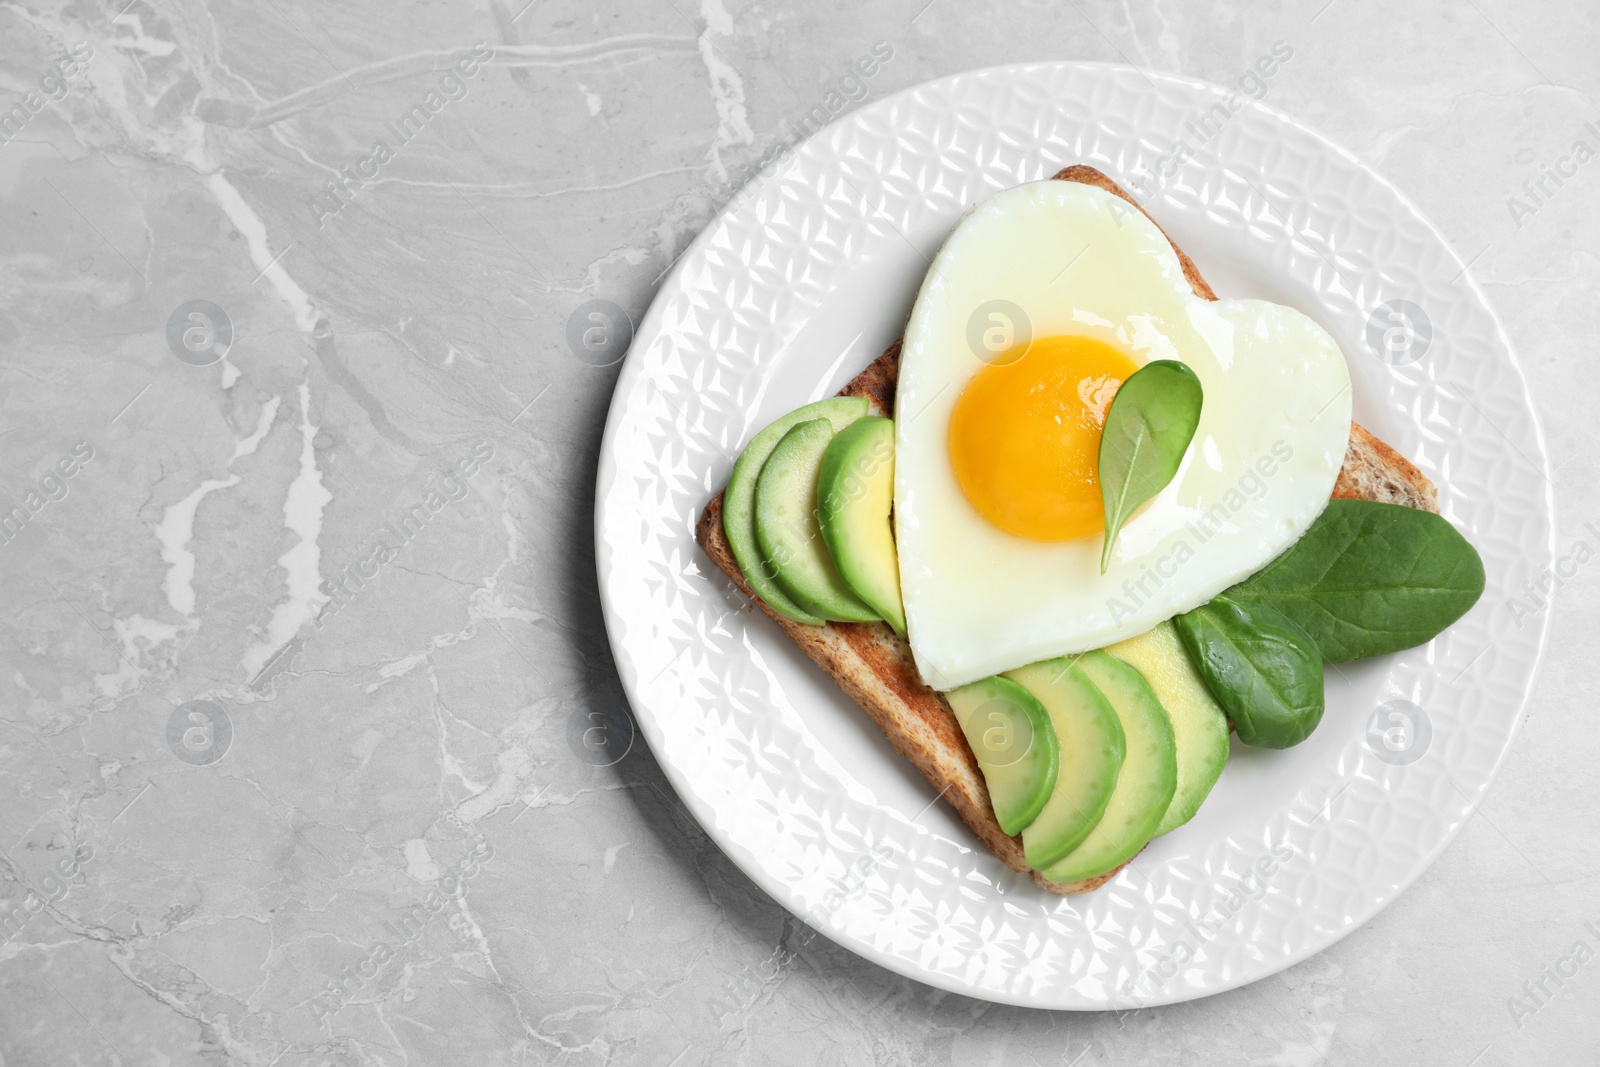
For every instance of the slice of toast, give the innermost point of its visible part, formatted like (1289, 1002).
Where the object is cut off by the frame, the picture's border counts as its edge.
(874, 665)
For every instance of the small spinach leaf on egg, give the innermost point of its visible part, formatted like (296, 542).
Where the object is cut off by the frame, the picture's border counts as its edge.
(1370, 578)
(1148, 428)
(1262, 668)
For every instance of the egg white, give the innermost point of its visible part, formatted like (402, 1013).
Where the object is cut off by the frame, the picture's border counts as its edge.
(1271, 439)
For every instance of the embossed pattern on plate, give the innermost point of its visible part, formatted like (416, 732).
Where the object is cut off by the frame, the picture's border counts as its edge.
(799, 281)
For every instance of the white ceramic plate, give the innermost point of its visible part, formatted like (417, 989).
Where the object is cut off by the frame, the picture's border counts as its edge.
(805, 277)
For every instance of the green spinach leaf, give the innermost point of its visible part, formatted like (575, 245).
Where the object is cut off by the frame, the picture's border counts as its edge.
(1148, 428)
(1262, 668)
(1370, 578)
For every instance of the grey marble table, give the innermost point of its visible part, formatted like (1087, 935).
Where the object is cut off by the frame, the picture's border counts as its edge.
(296, 472)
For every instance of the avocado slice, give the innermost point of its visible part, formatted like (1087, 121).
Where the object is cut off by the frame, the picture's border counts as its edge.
(1011, 735)
(855, 493)
(1199, 727)
(786, 527)
(1091, 743)
(1146, 783)
(739, 500)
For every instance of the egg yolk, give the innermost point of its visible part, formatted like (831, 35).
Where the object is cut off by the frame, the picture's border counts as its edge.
(1025, 436)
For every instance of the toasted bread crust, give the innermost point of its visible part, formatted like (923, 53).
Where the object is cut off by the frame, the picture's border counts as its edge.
(878, 382)
(1089, 176)
(874, 665)
(1374, 471)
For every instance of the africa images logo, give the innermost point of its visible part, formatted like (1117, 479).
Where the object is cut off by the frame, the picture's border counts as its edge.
(406, 929)
(52, 88)
(353, 177)
(51, 487)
